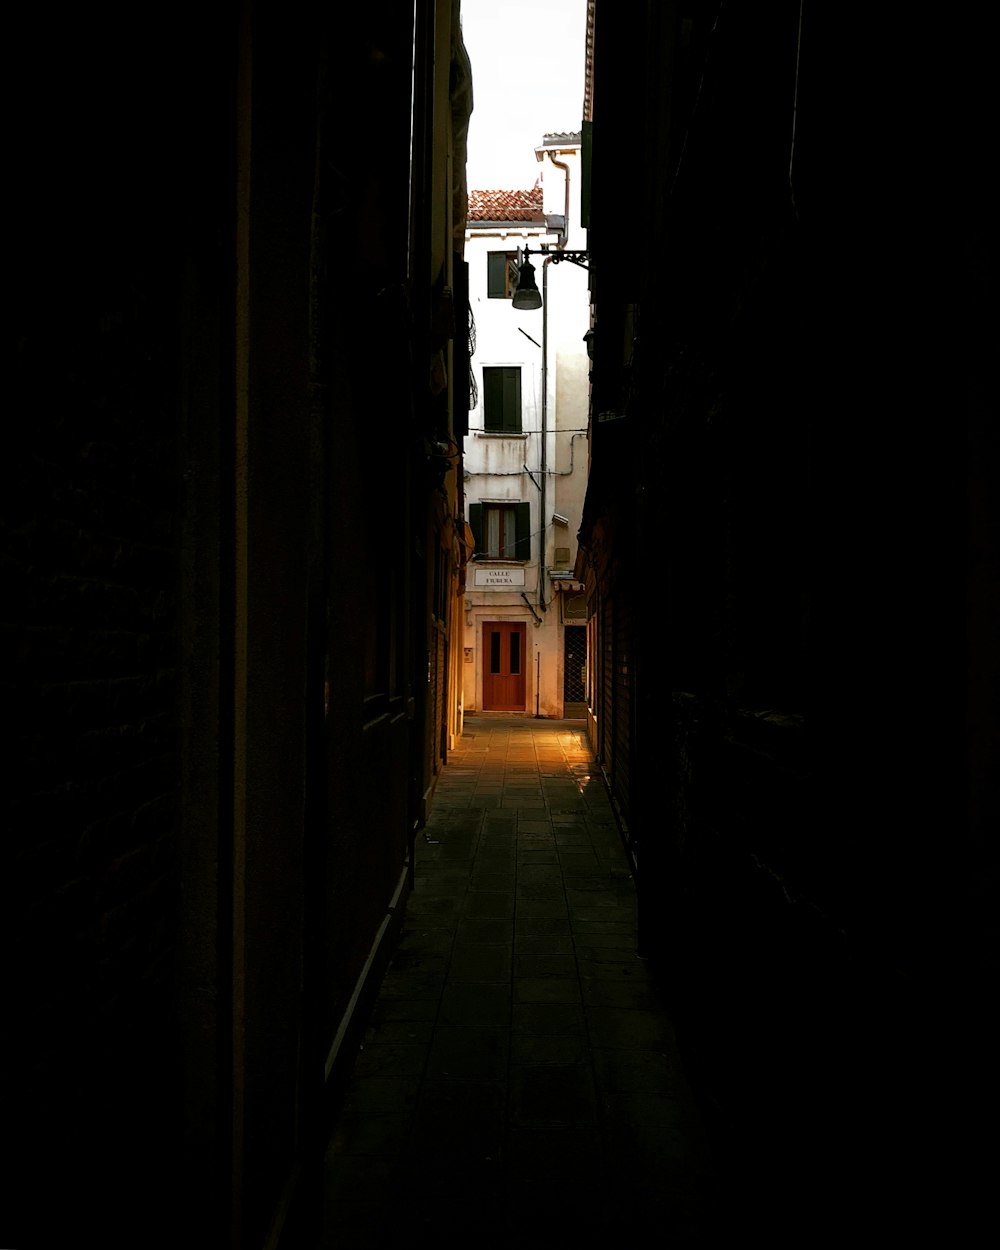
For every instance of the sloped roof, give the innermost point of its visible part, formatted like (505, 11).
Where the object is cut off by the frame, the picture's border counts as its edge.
(506, 205)
(561, 138)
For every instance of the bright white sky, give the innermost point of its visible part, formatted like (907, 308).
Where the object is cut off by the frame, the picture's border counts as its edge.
(527, 80)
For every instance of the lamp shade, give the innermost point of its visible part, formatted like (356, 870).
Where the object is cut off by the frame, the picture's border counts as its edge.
(527, 294)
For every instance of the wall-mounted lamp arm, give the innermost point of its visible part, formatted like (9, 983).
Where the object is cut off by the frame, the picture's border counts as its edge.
(576, 258)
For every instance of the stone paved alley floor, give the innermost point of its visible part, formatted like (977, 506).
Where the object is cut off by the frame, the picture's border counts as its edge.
(519, 1084)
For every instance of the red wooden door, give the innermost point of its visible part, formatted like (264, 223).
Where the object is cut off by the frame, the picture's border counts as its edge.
(503, 666)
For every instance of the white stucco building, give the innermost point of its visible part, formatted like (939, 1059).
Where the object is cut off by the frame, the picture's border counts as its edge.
(526, 451)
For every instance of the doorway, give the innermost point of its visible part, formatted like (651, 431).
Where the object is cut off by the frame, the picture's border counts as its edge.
(575, 672)
(503, 666)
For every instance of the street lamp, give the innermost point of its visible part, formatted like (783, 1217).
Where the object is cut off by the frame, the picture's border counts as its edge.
(527, 295)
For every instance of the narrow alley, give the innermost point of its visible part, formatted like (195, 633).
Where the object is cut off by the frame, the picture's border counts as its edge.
(520, 1083)
(337, 474)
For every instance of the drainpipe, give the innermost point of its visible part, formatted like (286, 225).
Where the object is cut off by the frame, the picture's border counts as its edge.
(564, 234)
(565, 168)
(545, 429)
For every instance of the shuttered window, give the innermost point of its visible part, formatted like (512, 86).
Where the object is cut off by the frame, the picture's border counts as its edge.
(501, 274)
(502, 399)
(501, 531)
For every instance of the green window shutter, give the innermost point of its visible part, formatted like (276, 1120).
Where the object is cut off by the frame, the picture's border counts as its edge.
(476, 525)
(522, 529)
(496, 275)
(502, 399)
(512, 401)
(493, 399)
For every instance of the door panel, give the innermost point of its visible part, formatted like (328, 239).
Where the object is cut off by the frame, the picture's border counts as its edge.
(504, 662)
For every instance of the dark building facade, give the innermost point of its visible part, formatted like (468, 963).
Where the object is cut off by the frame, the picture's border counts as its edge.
(230, 565)
(790, 537)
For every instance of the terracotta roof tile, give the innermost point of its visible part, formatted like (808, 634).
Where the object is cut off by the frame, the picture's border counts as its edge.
(506, 205)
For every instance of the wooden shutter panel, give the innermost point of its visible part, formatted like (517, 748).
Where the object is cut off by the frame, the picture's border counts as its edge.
(522, 531)
(512, 401)
(476, 525)
(492, 399)
(496, 275)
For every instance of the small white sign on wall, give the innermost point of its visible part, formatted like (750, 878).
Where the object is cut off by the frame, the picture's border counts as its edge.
(500, 579)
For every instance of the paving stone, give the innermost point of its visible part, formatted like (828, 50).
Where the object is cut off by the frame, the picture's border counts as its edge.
(426, 904)
(489, 905)
(443, 882)
(482, 1005)
(474, 932)
(391, 1059)
(532, 871)
(552, 1094)
(447, 1105)
(496, 860)
(495, 836)
(613, 926)
(633, 1030)
(540, 926)
(656, 1070)
(389, 1007)
(540, 889)
(419, 982)
(569, 837)
(578, 862)
(370, 1133)
(549, 908)
(543, 944)
(535, 855)
(589, 945)
(608, 992)
(427, 941)
(614, 965)
(535, 1017)
(480, 963)
(383, 1095)
(497, 882)
(566, 1047)
(545, 965)
(463, 1053)
(546, 990)
(587, 953)
(395, 1031)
